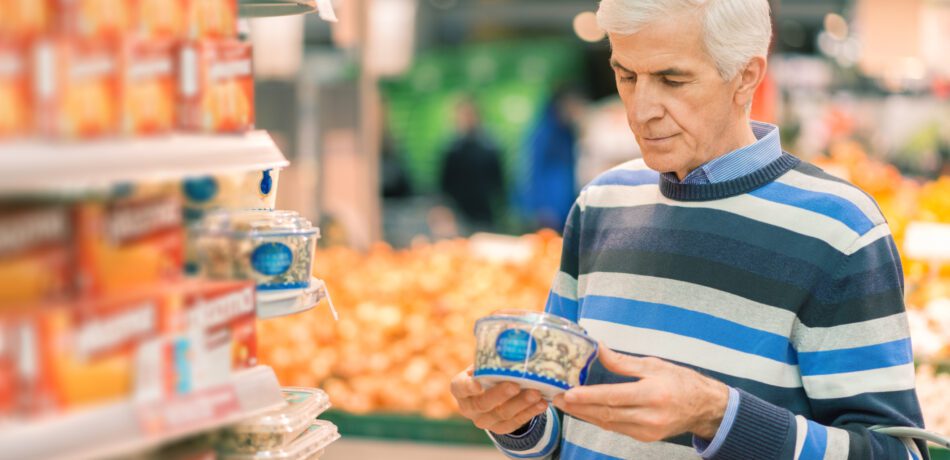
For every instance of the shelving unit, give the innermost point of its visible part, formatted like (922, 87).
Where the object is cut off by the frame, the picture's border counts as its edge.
(268, 8)
(128, 427)
(36, 167)
(291, 302)
(72, 171)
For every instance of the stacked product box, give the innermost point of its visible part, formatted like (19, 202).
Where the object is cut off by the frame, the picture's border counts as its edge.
(83, 69)
(94, 307)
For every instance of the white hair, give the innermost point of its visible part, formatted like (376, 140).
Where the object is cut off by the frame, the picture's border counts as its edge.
(734, 31)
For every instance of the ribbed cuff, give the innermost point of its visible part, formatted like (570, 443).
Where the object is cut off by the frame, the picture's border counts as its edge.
(709, 449)
(759, 431)
(525, 440)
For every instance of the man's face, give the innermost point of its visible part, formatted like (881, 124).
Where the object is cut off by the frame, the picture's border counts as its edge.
(678, 106)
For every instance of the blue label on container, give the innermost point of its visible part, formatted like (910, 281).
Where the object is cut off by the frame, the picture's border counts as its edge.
(272, 258)
(515, 345)
(267, 183)
(201, 189)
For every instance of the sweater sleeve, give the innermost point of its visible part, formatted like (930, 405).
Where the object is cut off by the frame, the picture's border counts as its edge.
(540, 437)
(854, 355)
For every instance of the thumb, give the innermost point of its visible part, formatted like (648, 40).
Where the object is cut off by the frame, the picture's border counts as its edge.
(621, 364)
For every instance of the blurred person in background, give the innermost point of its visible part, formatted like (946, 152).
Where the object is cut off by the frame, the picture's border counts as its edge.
(548, 187)
(748, 304)
(393, 176)
(471, 175)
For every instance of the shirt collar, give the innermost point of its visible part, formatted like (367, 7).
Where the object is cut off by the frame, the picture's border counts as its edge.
(740, 162)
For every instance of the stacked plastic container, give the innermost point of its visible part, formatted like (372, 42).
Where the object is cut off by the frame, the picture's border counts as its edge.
(291, 433)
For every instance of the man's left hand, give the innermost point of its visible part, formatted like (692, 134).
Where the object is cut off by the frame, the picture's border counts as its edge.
(667, 400)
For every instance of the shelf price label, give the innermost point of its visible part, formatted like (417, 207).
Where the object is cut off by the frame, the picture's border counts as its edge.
(189, 413)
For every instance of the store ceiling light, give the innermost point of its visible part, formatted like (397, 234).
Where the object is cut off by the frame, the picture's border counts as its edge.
(836, 26)
(585, 26)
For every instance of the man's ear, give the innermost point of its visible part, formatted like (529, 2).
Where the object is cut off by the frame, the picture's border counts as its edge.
(749, 79)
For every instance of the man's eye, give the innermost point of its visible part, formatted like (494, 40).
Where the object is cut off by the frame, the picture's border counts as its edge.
(672, 83)
(628, 79)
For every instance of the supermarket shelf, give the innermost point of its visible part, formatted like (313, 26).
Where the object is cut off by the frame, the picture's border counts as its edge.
(36, 167)
(272, 304)
(129, 427)
(266, 8)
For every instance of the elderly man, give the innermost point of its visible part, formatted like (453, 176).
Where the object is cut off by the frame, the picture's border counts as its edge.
(749, 305)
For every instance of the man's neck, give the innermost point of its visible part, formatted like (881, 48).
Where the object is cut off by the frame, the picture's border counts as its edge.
(743, 137)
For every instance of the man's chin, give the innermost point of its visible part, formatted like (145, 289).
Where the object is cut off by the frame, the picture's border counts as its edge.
(658, 163)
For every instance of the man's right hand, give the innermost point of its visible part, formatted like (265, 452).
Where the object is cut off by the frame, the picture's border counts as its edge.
(500, 409)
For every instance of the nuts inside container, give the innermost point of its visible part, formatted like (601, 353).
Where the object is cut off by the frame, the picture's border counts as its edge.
(273, 248)
(536, 350)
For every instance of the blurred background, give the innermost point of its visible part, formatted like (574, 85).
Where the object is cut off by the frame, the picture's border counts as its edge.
(205, 201)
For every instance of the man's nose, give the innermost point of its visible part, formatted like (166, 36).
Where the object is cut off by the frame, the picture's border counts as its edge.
(646, 104)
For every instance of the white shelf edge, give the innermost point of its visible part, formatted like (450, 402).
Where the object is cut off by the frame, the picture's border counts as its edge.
(117, 429)
(299, 301)
(38, 167)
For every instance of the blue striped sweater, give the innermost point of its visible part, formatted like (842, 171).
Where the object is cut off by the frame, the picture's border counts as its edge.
(784, 283)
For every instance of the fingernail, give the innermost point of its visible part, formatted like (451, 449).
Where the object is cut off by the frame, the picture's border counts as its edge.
(512, 390)
(541, 406)
(570, 397)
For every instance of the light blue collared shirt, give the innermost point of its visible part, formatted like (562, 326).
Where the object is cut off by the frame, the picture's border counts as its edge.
(733, 165)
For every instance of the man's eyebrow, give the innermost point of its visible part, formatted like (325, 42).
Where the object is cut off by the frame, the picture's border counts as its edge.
(673, 72)
(670, 72)
(618, 66)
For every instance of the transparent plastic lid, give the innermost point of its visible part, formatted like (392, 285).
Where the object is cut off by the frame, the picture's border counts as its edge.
(257, 222)
(535, 318)
(303, 406)
(317, 437)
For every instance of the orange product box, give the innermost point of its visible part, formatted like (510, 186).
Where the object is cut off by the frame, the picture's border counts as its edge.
(106, 349)
(219, 321)
(186, 19)
(15, 116)
(35, 255)
(148, 87)
(22, 359)
(161, 19)
(77, 88)
(216, 86)
(9, 388)
(95, 19)
(211, 19)
(128, 244)
(26, 19)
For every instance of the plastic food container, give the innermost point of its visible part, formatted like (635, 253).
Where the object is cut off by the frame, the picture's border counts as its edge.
(246, 190)
(279, 428)
(309, 446)
(538, 351)
(273, 248)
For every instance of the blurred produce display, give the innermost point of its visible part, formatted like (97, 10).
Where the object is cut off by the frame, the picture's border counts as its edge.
(406, 320)
(934, 398)
(904, 200)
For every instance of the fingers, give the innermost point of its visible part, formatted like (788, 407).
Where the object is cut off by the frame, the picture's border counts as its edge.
(494, 397)
(601, 414)
(516, 405)
(520, 419)
(619, 363)
(616, 394)
(464, 386)
(511, 409)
